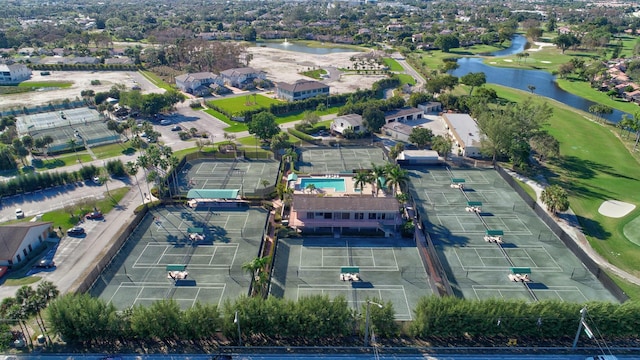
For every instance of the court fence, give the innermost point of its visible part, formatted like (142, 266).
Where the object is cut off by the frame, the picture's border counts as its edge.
(568, 241)
(428, 253)
(89, 277)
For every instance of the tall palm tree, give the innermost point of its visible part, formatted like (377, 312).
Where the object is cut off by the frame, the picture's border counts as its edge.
(291, 156)
(45, 292)
(377, 176)
(73, 144)
(360, 179)
(257, 268)
(397, 177)
(311, 188)
(132, 170)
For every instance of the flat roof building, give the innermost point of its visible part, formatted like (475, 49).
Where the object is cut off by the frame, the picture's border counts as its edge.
(465, 133)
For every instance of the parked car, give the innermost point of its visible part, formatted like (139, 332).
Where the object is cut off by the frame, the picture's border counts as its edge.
(19, 214)
(94, 215)
(46, 263)
(75, 231)
(165, 122)
(96, 179)
(176, 128)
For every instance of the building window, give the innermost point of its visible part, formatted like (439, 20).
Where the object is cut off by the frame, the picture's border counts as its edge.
(310, 215)
(346, 216)
(328, 215)
(18, 257)
(24, 251)
(30, 248)
(358, 216)
(372, 216)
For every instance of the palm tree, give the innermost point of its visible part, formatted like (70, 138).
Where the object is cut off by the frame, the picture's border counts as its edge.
(73, 144)
(291, 155)
(311, 188)
(257, 268)
(377, 176)
(397, 177)
(45, 292)
(361, 179)
(555, 199)
(132, 170)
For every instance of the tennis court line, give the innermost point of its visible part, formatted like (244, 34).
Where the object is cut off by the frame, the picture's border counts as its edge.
(138, 264)
(322, 267)
(554, 268)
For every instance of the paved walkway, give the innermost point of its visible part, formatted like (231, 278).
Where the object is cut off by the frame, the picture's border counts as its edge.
(571, 225)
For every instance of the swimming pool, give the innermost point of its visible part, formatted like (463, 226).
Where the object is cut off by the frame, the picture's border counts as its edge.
(337, 184)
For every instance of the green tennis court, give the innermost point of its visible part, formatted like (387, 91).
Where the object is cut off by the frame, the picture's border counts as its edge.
(478, 267)
(339, 159)
(388, 270)
(185, 255)
(242, 174)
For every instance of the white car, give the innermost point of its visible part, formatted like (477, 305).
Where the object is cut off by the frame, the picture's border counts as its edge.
(165, 122)
(19, 214)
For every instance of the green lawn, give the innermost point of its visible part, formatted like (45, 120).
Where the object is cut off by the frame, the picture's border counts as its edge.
(582, 89)
(61, 160)
(528, 189)
(406, 79)
(594, 166)
(113, 150)
(392, 64)
(156, 80)
(237, 104)
(234, 126)
(46, 84)
(62, 218)
(315, 74)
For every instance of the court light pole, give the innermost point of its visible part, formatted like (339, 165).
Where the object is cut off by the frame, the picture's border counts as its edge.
(367, 320)
(583, 313)
(236, 320)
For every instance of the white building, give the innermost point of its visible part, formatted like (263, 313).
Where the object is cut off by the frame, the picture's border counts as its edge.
(19, 240)
(465, 133)
(419, 157)
(14, 74)
(197, 83)
(344, 122)
(397, 131)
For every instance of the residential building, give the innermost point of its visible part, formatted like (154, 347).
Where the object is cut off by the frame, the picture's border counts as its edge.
(403, 114)
(14, 74)
(20, 240)
(464, 132)
(300, 90)
(431, 107)
(397, 131)
(344, 122)
(240, 77)
(197, 83)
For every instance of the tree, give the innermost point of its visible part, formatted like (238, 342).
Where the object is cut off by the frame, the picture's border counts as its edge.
(545, 145)
(441, 83)
(377, 176)
(421, 137)
(258, 270)
(360, 179)
(263, 125)
(264, 183)
(395, 151)
(249, 33)
(373, 119)
(310, 188)
(473, 80)
(565, 41)
(396, 177)
(280, 141)
(447, 42)
(442, 145)
(555, 199)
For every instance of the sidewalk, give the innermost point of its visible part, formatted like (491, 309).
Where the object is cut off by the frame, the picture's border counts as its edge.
(571, 227)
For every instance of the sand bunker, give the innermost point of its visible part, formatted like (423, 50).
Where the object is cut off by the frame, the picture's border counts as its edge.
(615, 208)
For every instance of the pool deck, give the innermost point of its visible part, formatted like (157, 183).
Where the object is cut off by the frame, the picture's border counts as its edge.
(349, 185)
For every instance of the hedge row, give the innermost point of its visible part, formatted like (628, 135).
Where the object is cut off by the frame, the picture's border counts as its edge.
(39, 181)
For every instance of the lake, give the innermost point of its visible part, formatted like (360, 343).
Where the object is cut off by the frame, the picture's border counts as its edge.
(304, 48)
(545, 83)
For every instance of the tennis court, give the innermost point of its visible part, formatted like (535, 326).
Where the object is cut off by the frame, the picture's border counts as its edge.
(242, 174)
(388, 270)
(185, 255)
(339, 159)
(84, 125)
(479, 267)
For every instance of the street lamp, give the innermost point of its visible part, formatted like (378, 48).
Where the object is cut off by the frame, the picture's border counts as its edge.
(367, 317)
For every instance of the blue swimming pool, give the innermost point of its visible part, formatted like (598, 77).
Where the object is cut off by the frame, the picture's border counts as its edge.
(337, 184)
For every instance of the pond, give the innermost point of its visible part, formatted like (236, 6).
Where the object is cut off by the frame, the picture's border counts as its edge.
(289, 46)
(522, 79)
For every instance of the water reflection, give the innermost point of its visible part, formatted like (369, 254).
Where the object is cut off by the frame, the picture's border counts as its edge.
(289, 46)
(522, 79)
